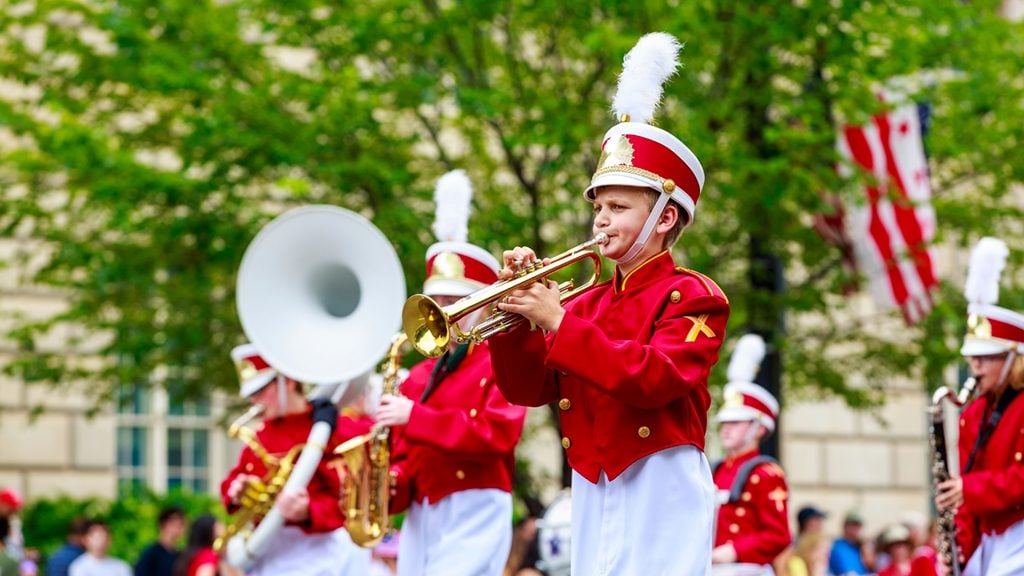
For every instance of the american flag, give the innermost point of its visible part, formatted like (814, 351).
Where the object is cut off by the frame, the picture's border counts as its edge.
(892, 226)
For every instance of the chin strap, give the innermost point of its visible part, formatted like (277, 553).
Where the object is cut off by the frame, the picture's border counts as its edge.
(645, 232)
(1006, 369)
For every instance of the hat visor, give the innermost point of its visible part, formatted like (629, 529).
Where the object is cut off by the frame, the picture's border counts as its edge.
(979, 347)
(256, 383)
(619, 179)
(737, 414)
(449, 287)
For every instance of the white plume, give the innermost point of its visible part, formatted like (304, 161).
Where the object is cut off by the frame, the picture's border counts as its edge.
(451, 213)
(746, 358)
(987, 262)
(645, 68)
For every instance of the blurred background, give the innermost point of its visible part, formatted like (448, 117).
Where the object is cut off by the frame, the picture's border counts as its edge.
(854, 151)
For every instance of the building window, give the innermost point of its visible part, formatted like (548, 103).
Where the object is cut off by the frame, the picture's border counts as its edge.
(166, 444)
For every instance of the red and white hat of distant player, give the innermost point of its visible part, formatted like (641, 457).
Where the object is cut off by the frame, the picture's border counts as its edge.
(454, 266)
(634, 153)
(744, 400)
(253, 371)
(990, 328)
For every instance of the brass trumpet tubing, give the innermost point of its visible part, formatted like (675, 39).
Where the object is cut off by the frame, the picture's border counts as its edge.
(431, 327)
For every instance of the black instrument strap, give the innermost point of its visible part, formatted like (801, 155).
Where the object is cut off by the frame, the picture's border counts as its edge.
(990, 425)
(746, 469)
(445, 366)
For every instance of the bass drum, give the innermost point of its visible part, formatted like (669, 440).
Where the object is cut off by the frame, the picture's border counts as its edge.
(554, 536)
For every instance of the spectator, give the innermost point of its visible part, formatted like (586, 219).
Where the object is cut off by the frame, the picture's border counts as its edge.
(198, 558)
(95, 561)
(8, 565)
(72, 549)
(810, 520)
(158, 558)
(898, 545)
(10, 504)
(808, 556)
(845, 558)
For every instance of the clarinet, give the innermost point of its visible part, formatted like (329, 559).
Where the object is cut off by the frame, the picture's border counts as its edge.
(946, 521)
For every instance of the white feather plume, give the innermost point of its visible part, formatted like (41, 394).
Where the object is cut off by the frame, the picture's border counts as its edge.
(452, 198)
(987, 262)
(644, 70)
(746, 358)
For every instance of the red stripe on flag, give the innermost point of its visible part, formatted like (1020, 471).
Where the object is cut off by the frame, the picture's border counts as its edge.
(903, 208)
(860, 150)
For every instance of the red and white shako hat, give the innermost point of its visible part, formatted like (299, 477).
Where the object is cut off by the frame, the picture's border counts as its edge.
(635, 153)
(990, 328)
(454, 266)
(253, 371)
(744, 400)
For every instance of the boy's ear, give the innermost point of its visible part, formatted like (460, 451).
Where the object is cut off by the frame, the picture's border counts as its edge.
(669, 217)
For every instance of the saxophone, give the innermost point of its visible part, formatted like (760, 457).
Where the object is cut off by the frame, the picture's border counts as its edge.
(367, 484)
(941, 469)
(258, 497)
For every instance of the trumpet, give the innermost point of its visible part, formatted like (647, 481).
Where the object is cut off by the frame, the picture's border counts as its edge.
(430, 327)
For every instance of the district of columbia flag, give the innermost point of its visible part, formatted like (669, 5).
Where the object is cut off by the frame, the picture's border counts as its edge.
(892, 226)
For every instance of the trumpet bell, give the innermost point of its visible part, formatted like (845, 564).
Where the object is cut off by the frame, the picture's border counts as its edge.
(426, 324)
(318, 293)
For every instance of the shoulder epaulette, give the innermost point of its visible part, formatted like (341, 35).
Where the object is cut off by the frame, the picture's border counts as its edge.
(713, 288)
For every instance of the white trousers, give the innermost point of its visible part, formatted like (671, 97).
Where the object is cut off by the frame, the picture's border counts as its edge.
(328, 554)
(999, 555)
(653, 520)
(467, 533)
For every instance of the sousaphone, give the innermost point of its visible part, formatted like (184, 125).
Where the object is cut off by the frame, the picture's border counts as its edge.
(319, 293)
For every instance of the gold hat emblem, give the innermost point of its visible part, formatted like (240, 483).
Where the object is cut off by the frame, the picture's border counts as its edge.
(733, 399)
(448, 265)
(979, 326)
(246, 369)
(617, 152)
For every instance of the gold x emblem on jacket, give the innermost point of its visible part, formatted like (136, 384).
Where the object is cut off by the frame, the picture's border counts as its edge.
(700, 326)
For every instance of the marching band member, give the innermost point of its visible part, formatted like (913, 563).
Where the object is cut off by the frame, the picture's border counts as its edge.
(753, 525)
(989, 494)
(627, 362)
(454, 453)
(312, 540)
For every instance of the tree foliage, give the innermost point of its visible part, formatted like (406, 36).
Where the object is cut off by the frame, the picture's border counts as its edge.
(154, 139)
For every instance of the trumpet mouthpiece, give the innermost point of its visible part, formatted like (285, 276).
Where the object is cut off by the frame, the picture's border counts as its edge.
(601, 238)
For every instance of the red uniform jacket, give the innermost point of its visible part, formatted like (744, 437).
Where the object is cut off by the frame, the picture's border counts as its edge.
(994, 488)
(757, 525)
(277, 437)
(628, 366)
(463, 437)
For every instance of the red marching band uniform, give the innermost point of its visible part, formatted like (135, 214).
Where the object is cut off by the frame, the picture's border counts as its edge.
(277, 436)
(453, 461)
(629, 363)
(990, 521)
(753, 515)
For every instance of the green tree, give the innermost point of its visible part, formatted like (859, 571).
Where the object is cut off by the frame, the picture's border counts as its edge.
(155, 139)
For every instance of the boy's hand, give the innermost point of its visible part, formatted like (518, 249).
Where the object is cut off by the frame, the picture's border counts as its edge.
(515, 260)
(540, 303)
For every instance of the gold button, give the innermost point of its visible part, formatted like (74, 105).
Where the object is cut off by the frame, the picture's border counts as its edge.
(963, 422)
(566, 442)
(746, 496)
(643, 432)
(741, 512)
(668, 185)
(734, 528)
(755, 479)
(483, 382)
(248, 467)
(472, 413)
(564, 404)
(675, 297)
(1017, 456)
(460, 474)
